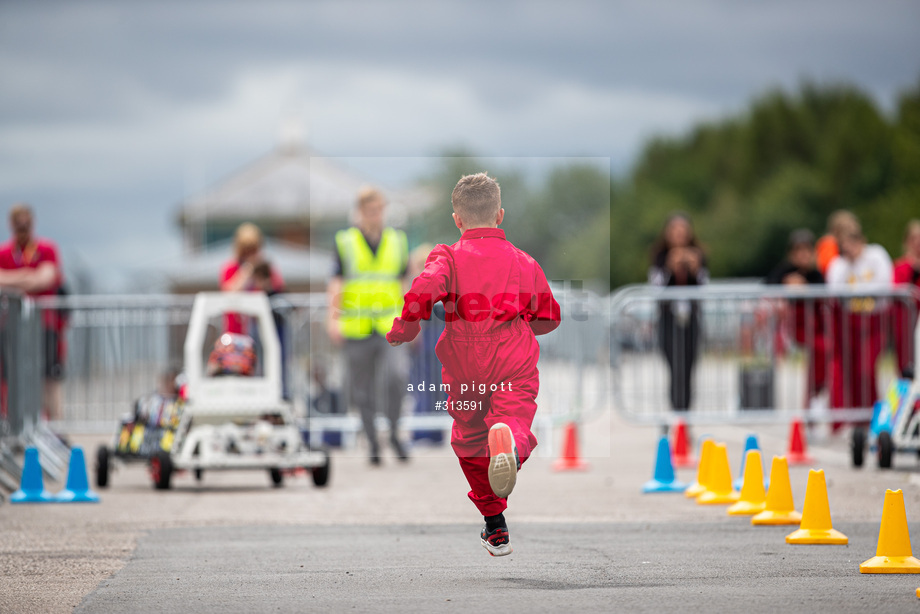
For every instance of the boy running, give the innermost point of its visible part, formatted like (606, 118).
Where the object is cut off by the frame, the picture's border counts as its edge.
(496, 300)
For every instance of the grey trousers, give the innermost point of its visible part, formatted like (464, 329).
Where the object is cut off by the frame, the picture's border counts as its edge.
(377, 378)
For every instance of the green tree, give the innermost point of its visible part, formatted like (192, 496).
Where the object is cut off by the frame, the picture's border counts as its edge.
(788, 161)
(561, 219)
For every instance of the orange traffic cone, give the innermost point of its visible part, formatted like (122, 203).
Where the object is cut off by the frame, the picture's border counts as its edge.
(571, 459)
(681, 454)
(798, 446)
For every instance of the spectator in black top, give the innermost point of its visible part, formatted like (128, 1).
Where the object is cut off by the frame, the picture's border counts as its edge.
(804, 316)
(799, 266)
(678, 260)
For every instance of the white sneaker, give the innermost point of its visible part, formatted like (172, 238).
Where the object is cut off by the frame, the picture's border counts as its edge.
(503, 464)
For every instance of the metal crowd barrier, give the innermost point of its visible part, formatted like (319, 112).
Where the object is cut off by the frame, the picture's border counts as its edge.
(122, 347)
(21, 386)
(723, 352)
(754, 352)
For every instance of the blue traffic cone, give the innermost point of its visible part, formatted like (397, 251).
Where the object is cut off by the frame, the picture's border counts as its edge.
(32, 485)
(749, 444)
(77, 489)
(664, 480)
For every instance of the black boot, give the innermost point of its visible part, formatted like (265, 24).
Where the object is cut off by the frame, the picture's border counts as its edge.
(400, 450)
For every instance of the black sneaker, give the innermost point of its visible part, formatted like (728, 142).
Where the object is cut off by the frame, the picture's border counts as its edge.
(497, 542)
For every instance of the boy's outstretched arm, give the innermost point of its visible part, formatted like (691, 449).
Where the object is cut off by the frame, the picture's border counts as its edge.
(427, 289)
(543, 313)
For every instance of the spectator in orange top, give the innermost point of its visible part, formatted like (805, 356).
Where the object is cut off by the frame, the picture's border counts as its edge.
(907, 271)
(237, 274)
(827, 248)
(31, 265)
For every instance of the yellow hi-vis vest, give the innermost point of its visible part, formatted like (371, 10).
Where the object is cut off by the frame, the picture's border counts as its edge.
(372, 292)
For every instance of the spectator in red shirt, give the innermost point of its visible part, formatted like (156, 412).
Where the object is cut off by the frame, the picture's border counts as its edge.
(907, 271)
(237, 274)
(497, 300)
(31, 265)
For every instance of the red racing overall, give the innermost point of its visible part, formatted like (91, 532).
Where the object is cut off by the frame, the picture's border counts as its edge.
(496, 300)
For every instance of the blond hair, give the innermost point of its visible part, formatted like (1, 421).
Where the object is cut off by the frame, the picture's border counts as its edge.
(247, 237)
(477, 199)
(18, 210)
(842, 222)
(912, 227)
(369, 194)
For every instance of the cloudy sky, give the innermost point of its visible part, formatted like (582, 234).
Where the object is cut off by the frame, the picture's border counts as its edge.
(111, 113)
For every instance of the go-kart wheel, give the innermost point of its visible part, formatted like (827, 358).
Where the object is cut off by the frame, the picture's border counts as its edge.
(858, 446)
(161, 469)
(102, 467)
(885, 450)
(321, 473)
(277, 477)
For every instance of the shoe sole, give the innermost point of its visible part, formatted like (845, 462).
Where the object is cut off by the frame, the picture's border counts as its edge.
(503, 550)
(502, 463)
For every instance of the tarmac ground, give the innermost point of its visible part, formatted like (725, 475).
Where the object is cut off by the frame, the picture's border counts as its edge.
(404, 537)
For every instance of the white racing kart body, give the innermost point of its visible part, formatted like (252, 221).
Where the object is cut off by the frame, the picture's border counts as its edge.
(234, 421)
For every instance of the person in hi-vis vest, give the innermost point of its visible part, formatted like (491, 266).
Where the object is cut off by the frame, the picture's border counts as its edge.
(365, 295)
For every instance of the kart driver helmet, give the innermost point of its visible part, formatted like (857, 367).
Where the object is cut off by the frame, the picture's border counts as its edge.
(233, 354)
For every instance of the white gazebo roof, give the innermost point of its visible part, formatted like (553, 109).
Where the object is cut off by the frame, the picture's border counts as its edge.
(289, 183)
